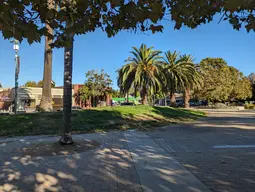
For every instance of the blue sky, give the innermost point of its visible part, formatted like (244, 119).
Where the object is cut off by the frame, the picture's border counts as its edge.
(96, 51)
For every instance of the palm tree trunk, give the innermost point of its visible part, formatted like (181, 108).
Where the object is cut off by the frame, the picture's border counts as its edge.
(172, 99)
(144, 99)
(68, 69)
(127, 97)
(186, 97)
(45, 103)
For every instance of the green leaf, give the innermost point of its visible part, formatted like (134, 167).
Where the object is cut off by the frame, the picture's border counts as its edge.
(158, 28)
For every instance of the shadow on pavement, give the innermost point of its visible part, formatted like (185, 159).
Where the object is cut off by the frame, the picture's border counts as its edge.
(109, 166)
(228, 168)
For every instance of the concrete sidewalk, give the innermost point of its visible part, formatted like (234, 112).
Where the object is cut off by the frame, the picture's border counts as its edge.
(114, 161)
(157, 170)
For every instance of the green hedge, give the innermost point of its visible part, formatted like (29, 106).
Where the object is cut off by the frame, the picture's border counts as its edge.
(249, 106)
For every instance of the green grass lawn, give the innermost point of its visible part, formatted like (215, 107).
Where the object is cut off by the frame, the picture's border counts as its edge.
(95, 120)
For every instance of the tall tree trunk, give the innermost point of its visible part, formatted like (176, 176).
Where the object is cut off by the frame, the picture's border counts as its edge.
(45, 103)
(95, 101)
(172, 100)
(144, 98)
(68, 69)
(127, 99)
(144, 95)
(186, 97)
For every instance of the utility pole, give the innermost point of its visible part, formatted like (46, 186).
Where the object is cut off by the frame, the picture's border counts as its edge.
(17, 66)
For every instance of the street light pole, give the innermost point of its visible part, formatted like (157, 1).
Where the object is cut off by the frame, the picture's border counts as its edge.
(17, 64)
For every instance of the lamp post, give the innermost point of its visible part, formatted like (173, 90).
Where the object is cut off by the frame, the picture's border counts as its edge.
(17, 66)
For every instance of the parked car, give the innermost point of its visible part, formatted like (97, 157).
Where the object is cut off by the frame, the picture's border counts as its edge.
(76, 108)
(179, 104)
(127, 104)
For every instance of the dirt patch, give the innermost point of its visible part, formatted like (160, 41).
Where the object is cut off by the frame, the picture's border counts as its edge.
(55, 149)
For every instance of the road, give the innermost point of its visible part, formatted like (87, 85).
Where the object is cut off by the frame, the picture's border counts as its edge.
(219, 149)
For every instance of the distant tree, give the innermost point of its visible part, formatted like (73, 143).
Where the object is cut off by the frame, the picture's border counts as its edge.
(40, 84)
(142, 72)
(83, 96)
(97, 86)
(216, 82)
(1, 85)
(253, 92)
(178, 70)
(98, 83)
(30, 84)
(241, 87)
(115, 93)
(222, 82)
(251, 78)
(194, 80)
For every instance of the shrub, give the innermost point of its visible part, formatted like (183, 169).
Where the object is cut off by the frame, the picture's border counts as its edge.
(249, 106)
(220, 105)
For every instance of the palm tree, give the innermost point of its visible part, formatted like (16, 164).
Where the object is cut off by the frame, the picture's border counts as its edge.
(193, 80)
(142, 72)
(45, 103)
(178, 72)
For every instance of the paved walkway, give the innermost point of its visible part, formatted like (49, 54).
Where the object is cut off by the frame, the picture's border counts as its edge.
(124, 161)
(174, 158)
(157, 170)
(219, 150)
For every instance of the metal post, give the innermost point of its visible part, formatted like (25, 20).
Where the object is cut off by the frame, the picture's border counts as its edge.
(16, 48)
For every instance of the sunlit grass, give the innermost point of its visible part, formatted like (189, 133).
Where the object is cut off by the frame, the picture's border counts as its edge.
(95, 120)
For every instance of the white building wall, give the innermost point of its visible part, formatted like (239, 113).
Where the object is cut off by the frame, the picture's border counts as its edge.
(36, 93)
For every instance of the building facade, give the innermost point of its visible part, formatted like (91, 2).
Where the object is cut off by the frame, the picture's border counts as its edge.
(30, 97)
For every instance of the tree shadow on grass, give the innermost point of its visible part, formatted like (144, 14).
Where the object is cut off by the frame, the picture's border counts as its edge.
(94, 120)
(105, 120)
(176, 113)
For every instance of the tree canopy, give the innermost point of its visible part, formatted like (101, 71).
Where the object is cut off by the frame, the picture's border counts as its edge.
(222, 82)
(239, 13)
(25, 19)
(179, 71)
(96, 86)
(115, 93)
(251, 78)
(38, 84)
(30, 84)
(142, 72)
